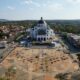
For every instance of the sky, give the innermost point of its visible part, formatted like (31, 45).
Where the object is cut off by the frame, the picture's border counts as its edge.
(34, 9)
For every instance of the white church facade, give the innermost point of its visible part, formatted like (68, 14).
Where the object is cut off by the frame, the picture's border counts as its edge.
(42, 31)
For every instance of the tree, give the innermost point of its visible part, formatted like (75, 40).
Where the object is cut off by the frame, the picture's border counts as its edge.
(11, 73)
(4, 78)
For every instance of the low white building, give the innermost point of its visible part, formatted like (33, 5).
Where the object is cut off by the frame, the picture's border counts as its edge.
(42, 31)
(74, 39)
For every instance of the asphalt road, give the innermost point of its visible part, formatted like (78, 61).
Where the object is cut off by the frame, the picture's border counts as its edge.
(4, 49)
(5, 52)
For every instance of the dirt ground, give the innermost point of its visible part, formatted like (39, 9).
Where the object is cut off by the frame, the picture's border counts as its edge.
(39, 63)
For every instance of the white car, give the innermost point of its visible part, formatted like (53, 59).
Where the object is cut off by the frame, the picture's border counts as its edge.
(55, 44)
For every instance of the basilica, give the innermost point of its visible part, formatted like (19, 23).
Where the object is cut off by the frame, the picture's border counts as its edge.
(41, 32)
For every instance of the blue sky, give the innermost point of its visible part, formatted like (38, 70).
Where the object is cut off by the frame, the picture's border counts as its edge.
(34, 9)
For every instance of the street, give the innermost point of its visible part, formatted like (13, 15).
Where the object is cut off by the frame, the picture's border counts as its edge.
(5, 52)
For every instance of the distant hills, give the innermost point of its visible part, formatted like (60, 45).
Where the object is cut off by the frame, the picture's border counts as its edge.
(24, 22)
(3, 20)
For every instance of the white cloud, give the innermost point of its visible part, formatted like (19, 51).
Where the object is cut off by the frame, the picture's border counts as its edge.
(30, 2)
(31, 8)
(56, 6)
(36, 4)
(10, 7)
(44, 5)
(74, 1)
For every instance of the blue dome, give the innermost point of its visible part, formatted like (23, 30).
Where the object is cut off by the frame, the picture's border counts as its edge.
(41, 21)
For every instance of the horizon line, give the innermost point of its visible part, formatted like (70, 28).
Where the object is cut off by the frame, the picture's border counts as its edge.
(35, 19)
